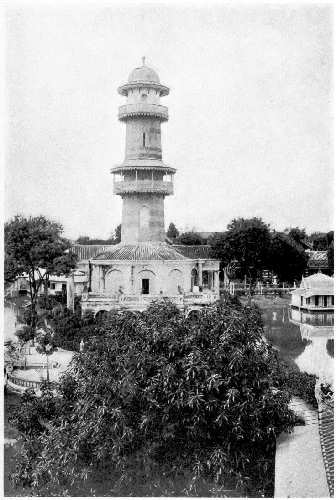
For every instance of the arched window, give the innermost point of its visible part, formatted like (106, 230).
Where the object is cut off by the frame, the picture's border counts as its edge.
(144, 139)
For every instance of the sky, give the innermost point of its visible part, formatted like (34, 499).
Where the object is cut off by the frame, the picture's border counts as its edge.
(250, 110)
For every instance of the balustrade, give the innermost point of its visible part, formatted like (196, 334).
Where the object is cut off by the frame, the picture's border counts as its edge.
(143, 186)
(128, 110)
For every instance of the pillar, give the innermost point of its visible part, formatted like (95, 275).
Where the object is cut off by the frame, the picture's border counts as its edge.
(101, 279)
(216, 281)
(71, 293)
(200, 273)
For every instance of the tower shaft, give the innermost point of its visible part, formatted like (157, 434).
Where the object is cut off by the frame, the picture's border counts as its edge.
(143, 180)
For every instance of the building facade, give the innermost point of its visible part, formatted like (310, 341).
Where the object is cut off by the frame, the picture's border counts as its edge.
(144, 266)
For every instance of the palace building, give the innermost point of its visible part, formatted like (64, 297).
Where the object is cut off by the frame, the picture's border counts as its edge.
(145, 266)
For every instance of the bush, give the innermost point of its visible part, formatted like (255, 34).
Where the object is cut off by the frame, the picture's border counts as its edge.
(299, 384)
(160, 405)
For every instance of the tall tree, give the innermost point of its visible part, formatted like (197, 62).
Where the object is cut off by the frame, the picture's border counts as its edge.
(34, 246)
(172, 231)
(286, 259)
(245, 241)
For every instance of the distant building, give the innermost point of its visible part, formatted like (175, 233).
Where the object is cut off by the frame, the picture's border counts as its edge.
(316, 293)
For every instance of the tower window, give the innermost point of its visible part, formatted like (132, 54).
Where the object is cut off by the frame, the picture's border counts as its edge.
(144, 139)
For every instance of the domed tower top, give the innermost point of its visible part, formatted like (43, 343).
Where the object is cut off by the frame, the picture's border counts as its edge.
(143, 76)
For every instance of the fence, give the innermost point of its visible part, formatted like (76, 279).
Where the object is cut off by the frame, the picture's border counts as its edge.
(34, 384)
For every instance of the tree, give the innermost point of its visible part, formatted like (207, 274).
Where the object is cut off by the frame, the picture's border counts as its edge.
(330, 253)
(161, 405)
(45, 344)
(296, 233)
(34, 246)
(330, 237)
(117, 234)
(245, 241)
(190, 238)
(286, 259)
(83, 240)
(319, 240)
(172, 231)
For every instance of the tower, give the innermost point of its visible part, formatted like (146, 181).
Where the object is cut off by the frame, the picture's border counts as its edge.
(143, 180)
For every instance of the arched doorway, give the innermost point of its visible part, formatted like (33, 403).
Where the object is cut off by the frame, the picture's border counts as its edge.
(100, 315)
(146, 282)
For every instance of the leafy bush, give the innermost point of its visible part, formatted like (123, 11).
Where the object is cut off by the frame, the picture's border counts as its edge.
(48, 303)
(299, 384)
(161, 405)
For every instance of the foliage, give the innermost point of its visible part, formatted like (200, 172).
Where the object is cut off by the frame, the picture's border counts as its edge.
(319, 240)
(70, 327)
(330, 254)
(45, 343)
(162, 405)
(117, 234)
(35, 246)
(25, 333)
(286, 259)
(330, 347)
(296, 233)
(190, 238)
(113, 239)
(48, 303)
(172, 231)
(299, 384)
(246, 241)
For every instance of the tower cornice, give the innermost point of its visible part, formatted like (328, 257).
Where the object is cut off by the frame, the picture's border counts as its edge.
(124, 89)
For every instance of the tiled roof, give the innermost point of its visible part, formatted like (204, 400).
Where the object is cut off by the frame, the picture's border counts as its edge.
(317, 259)
(141, 251)
(194, 251)
(318, 281)
(86, 252)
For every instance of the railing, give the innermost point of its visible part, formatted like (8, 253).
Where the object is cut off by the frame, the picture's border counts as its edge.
(34, 384)
(148, 186)
(157, 110)
(142, 301)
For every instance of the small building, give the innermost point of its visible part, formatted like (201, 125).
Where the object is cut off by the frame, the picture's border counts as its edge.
(316, 293)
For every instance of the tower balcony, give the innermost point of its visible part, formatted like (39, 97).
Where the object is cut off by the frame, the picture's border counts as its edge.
(143, 186)
(143, 109)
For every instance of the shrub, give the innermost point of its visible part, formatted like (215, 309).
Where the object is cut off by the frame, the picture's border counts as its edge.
(160, 405)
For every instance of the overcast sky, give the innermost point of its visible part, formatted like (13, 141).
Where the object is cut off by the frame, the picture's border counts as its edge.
(250, 128)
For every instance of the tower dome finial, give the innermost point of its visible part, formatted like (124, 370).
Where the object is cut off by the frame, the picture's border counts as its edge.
(143, 60)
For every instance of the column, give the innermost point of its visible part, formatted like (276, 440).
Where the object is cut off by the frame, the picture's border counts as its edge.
(216, 281)
(101, 279)
(200, 273)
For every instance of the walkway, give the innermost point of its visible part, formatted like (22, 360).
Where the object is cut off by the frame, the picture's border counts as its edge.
(299, 465)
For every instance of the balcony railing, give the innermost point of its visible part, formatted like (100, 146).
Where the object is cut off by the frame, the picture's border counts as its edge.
(139, 186)
(143, 109)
